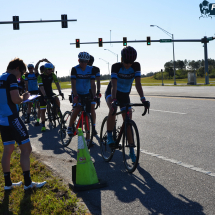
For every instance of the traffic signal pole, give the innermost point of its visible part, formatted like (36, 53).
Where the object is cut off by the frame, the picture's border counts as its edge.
(204, 40)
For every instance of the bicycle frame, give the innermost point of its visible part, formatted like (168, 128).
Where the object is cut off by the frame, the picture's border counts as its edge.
(81, 120)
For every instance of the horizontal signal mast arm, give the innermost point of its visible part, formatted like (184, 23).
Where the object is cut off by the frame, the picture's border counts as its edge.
(37, 21)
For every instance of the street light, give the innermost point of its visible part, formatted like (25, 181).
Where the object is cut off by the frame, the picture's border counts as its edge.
(107, 63)
(112, 53)
(169, 34)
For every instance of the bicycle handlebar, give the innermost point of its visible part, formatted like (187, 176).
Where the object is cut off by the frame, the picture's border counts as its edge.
(146, 105)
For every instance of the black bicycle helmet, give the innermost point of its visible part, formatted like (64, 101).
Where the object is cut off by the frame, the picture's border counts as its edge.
(42, 68)
(129, 55)
(91, 60)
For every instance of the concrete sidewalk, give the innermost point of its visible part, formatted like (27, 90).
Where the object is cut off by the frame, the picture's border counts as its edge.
(175, 91)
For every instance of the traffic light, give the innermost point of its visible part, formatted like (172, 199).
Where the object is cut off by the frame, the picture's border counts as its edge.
(100, 42)
(124, 41)
(15, 25)
(77, 41)
(64, 21)
(148, 40)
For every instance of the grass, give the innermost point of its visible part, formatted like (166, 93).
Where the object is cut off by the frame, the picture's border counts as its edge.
(150, 81)
(53, 198)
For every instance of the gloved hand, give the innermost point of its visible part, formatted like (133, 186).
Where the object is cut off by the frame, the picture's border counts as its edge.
(75, 99)
(97, 100)
(45, 98)
(98, 94)
(142, 99)
(62, 95)
(114, 106)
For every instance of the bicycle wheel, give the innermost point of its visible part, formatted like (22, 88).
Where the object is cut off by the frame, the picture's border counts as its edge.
(131, 154)
(64, 124)
(106, 151)
(24, 109)
(53, 116)
(88, 129)
(34, 111)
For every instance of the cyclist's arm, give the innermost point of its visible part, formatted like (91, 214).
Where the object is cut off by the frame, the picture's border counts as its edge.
(139, 86)
(26, 85)
(40, 82)
(73, 81)
(137, 69)
(93, 87)
(37, 65)
(42, 90)
(98, 79)
(74, 87)
(113, 88)
(56, 82)
(58, 86)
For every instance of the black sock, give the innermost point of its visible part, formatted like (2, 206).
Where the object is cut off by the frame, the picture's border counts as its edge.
(7, 179)
(43, 123)
(27, 178)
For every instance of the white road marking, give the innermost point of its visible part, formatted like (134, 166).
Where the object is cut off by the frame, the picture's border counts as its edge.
(180, 163)
(167, 111)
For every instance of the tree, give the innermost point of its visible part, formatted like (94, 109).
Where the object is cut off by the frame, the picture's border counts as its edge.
(180, 64)
(170, 71)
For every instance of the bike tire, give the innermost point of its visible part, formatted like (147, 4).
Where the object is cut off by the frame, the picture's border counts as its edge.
(65, 138)
(130, 165)
(88, 132)
(106, 151)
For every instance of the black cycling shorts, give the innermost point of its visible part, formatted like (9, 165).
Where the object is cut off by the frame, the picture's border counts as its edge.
(15, 132)
(122, 98)
(42, 101)
(87, 97)
(34, 92)
(91, 96)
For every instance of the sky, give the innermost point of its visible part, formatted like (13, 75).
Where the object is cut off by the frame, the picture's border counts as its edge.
(107, 19)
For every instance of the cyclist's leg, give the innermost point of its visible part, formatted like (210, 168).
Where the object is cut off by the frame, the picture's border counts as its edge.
(126, 100)
(87, 126)
(73, 117)
(28, 112)
(42, 112)
(110, 121)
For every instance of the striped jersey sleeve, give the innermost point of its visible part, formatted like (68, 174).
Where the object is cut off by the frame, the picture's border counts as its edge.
(12, 81)
(73, 73)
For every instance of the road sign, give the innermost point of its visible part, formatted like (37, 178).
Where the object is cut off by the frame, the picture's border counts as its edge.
(210, 38)
(165, 40)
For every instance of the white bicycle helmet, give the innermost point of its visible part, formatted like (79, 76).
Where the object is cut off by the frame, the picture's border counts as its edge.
(84, 56)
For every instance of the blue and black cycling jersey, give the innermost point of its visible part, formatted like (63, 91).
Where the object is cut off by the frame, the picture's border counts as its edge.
(83, 78)
(125, 77)
(32, 81)
(97, 71)
(8, 82)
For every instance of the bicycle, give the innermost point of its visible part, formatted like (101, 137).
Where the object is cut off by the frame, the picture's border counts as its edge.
(53, 111)
(23, 108)
(34, 107)
(128, 128)
(82, 118)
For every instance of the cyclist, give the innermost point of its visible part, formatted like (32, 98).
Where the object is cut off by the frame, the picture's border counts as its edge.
(98, 95)
(82, 78)
(118, 90)
(32, 88)
(45, 83)
(12, 127)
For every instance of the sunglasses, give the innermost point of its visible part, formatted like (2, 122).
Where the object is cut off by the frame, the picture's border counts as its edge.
(83, 61)
(49, 69)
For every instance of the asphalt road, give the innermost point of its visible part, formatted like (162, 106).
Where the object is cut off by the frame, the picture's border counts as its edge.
(176, 173)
